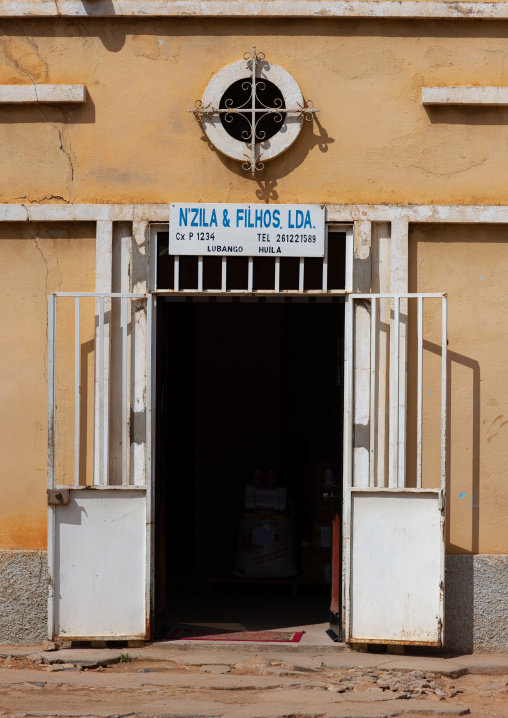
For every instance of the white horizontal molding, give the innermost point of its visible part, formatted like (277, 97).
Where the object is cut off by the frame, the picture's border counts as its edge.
(15, 94)
(84, 212)
(474, 214)
(418, 213)
(465, 95)
(441, 9)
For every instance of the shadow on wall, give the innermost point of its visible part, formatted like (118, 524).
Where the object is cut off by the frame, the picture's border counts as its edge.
(113, 34)
(476, 603)
(87, 355)
(283, 165)
(78, 114)
(454, 360)
(467, 115)
(23, 597)
(459, 603)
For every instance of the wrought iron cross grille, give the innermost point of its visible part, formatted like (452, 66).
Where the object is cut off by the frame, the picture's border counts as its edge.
(253, 111)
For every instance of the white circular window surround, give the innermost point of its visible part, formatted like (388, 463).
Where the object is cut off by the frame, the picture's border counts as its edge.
(290, 125)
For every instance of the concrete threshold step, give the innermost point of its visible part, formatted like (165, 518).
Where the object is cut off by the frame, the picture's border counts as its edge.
(253, 647)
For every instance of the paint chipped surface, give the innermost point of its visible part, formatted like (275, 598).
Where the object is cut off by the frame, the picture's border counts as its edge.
(406, 154)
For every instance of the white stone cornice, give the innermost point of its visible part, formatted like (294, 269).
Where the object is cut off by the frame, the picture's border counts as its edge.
(432, 9)
(467, 214)
(493, 96)
(61, 94)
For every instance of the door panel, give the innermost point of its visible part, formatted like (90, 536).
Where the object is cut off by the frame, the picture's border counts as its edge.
(100, 550)
(395, 579)
(393, 527)
(99, 526)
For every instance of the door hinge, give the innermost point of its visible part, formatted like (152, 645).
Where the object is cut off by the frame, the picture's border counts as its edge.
(441, 501)
(58, 496)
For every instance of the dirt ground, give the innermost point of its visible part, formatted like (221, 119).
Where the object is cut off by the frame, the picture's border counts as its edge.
(259, 687)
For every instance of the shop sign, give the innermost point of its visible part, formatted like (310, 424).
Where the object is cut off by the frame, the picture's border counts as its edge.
(249, 230)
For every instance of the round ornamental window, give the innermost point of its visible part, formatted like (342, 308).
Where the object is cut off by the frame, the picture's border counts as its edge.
(252, 111)
(240, 95)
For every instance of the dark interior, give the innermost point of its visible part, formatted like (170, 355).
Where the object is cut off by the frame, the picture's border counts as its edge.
(241, 386)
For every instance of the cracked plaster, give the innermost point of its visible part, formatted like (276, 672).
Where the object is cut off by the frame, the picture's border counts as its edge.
(37, 259)
(132, 141)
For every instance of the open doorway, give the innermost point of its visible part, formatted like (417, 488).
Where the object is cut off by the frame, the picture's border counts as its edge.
(249, 442)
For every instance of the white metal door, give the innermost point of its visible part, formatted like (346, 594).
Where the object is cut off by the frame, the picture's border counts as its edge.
(99, 465)
(394, 513)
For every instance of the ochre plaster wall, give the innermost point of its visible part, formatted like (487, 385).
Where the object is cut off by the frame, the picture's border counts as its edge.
(373, 140)
(35, 260)
(470, 263)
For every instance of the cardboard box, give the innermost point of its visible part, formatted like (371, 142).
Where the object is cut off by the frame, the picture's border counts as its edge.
(258, 500)
(266, 548)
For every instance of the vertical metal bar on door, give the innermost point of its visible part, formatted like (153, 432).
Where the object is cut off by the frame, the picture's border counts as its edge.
(395, 408)
(108, 341)
(324, 284)
(200, 274)
(444, 387)
(349, 395)
(301, 274)
(348, 478)
(148, 471)
(150, 480)
(373, 392)
(419, 418)
(150, 337)
(51, 458)
(51, 389)
(250, 274)
(176, 274)
(77, 349)
(224, 274)
(125, 397)
(100, 472)
(277, 274)
(153, 250)
(349, 259)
